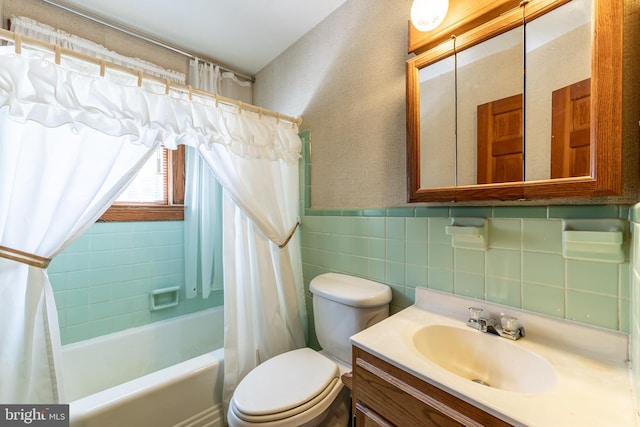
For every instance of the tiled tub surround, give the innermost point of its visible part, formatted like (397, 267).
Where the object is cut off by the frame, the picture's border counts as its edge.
(523, 266)
(102, 281)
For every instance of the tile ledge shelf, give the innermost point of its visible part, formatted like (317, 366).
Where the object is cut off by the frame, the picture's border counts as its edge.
(468, 233)
(594, 240)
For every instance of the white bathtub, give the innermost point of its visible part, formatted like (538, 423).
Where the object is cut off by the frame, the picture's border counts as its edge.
(168, 373)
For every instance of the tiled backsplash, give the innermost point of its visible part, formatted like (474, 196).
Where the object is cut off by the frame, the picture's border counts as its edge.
(102, 281)
(522, 267)
(634, 321)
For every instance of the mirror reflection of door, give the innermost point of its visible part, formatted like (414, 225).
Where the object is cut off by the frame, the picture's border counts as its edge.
(558, 47)
(571, 131)
(500, 148)
(486, 73)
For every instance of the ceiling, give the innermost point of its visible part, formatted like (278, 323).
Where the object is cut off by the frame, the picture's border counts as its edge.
(244, 35)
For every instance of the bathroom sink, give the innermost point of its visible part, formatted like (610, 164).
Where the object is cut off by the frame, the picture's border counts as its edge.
(485, 359)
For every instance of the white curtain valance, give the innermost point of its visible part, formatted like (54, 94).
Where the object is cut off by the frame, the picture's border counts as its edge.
(55, 95)
(48, 34)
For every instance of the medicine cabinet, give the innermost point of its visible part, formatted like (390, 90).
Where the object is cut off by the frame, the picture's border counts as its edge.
(516, 101)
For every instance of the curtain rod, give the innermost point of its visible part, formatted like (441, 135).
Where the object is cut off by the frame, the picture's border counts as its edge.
(143, 37)
(19, 40)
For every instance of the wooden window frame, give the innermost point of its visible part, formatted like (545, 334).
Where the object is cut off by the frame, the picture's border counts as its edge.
(172, 211)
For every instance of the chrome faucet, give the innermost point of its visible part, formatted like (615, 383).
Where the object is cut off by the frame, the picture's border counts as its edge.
(477, 321)
(506, 328)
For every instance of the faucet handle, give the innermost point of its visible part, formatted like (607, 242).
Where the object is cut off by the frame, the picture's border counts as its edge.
(474, 313)
(509, 323)
(510, 328)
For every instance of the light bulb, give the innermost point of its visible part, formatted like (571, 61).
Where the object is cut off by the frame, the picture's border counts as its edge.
(428, 14)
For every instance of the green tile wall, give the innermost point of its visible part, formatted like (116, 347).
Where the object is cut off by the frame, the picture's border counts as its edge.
(634, 308)
(102, 281)
(523, 266)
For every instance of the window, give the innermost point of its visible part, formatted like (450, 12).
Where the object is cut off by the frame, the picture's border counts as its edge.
(151, 183)
(156, 194)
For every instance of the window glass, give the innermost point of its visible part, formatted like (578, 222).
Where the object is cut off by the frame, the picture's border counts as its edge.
(150, 185)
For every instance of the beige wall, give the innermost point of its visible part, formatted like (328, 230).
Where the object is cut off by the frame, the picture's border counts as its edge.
(346, 77)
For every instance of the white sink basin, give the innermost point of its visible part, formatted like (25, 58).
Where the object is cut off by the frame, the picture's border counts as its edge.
(485, 359)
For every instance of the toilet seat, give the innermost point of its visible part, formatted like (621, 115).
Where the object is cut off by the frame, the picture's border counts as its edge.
(286, 386)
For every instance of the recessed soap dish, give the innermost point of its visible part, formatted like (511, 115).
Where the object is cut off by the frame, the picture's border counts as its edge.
(164, 298)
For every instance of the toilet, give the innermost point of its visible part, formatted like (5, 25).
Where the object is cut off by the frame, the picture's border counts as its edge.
(302, 387)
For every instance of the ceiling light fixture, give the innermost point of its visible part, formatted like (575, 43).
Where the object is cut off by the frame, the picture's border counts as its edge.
(428, 14)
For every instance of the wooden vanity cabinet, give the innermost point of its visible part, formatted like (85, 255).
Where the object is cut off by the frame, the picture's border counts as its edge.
(384, 395)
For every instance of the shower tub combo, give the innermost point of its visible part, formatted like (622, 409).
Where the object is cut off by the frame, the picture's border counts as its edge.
(168, 373)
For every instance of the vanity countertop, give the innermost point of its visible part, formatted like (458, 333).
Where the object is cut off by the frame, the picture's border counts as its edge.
(593, 385)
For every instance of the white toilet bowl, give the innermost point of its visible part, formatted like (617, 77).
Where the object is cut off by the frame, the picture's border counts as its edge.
(303, 387)
(297, 388)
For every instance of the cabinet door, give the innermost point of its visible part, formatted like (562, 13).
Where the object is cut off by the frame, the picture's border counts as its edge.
(386, 395)
(365, 417)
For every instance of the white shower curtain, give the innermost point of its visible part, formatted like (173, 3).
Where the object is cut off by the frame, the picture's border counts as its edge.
(61, 137)
(202, 205)
(70, 185)
(210, 78)
(263, 287)
(57, 176)
(203, 200)
(202, 227)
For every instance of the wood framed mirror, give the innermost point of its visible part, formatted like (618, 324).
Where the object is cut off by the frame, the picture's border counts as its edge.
(555, 129)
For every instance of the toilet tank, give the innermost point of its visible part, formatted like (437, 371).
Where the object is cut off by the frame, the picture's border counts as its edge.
(343, 306)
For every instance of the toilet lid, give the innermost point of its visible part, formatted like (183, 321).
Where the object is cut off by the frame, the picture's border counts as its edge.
(285, 382)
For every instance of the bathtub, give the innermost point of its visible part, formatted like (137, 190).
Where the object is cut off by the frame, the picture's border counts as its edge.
(167, 373)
